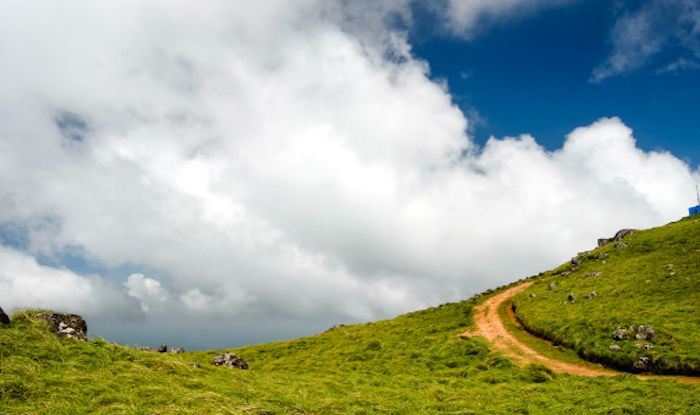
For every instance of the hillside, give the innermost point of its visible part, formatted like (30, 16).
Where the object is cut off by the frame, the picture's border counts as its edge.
(416, 363)
(636, 302)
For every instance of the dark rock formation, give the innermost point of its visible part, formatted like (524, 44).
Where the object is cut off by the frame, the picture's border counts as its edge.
(71, 326)
(617, 238)
(619, 334)
(163, 348)
(642, 363)
(571, 297)
(229, 360)
(4, 318)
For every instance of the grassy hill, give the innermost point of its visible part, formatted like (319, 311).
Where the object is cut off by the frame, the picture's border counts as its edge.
(414, 364)
(651, 278)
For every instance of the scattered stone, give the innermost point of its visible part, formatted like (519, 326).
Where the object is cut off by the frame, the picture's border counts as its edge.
(335, 327)
(163, 348)
(642, 363)
(571, 297)
(566, 273)
(591, 295)
(644, 332)
(591, 274)
(71, 326)
(533, 295)
(644, 346)
(229, 360)
(619, 334)
(4, 319)
(195, 364)
(146, 349)
(552, 286)
(620, 245)
(602, 255)
(176, 350)
(615, 348)
(576, 261)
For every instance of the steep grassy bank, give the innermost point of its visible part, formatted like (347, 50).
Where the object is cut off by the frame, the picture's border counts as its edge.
(413, 364)
(651, 278)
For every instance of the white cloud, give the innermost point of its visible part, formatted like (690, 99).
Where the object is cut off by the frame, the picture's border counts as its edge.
(268, 165)
(641, 33)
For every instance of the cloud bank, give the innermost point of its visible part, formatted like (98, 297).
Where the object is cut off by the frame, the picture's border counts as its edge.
(268, 171)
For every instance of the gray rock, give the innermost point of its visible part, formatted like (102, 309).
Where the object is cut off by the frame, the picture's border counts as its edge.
(335, 327)
(146, 349)
(566, 273)
(642, 363)
(603, 241)
(615, 348)
(620, 245)
(176, 350)
(4, 318)
(163, 348)
(602, 255)
(644, 346)
(644, 332)
(591, 274)
(576, 261)
(619, 334)
(229, 360)
(591, 295)
(71, 326)
(621, 234)
(552, 286)
(533, 295)
(195, 364)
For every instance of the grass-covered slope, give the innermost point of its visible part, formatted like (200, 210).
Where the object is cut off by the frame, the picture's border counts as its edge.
(651, 278)
(414, 364)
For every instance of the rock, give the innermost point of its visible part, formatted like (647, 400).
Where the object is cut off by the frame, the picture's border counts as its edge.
(615, 348)
(71, 326)
(146, 349)
(602, 255)
(591, 295)
(335, 327)
(163, 348)
(566, 273)
(642, 363)
(644, 332)
(620, 245)
(176, 350)
(229, 360)
(591, 274)
(624, 233)
(619, 334)
(576, 261)
(533, 295)
(4, 319)
(195, 364)
(552, 286)
(571, 297)
(644, 346)
(603, 241)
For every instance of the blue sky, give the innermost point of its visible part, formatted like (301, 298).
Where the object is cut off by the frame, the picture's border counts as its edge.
(531, 74)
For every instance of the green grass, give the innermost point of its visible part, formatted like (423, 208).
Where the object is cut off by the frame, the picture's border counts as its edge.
(413, 364)
(654, 280)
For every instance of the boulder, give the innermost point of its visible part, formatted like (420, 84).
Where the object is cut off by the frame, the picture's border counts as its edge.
(71, 326)
(621, 234)
(619, 334)
(615, 348)
(176, 350)
(644, 332)
(4, 318)
(163, 348)
(644, 346)
(533, 295)
(229, 360)
(642, 363)
(576, 261)
(552, 286)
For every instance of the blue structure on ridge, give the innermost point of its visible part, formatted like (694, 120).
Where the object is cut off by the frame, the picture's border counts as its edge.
(696, 209)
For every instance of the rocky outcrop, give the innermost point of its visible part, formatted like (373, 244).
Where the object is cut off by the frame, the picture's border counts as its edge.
(71, 326)
(617, 238)
(4, 318)
(230, 360)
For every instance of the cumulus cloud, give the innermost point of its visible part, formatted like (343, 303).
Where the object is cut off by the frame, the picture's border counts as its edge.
(275, 172)
(643, 32)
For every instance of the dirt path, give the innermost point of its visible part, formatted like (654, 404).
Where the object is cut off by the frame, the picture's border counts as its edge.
(488, 325)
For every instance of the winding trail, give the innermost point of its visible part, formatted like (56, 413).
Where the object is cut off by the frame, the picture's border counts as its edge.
(488, 324)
